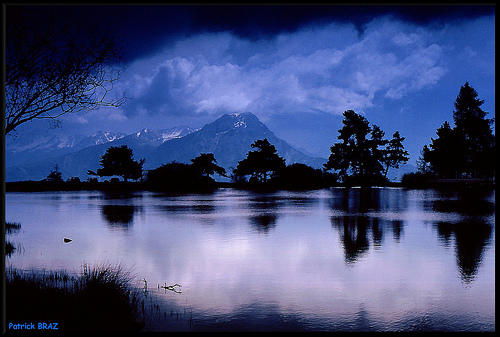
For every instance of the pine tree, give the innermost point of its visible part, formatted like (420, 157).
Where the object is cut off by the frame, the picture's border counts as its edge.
(474, 129)
(468, 148)
(55, 175)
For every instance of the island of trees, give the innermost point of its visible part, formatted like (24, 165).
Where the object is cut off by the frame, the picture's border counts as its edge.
(362, 156)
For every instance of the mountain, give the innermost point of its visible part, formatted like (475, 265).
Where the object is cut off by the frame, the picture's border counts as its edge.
(158, 137)
(229, 138)
(33, 156)
(34, 146)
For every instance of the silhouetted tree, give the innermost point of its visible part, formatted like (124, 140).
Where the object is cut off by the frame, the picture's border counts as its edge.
(395, 153)
(467, 147)
(301, 176)
(348, 156)
(474, 128)
(376, 156)
(51, 70)
(173, 175)
(423, 166)
(206, 165)
(362, 152)
(182, 176)
(119, 161)
(55, 175)
(444, 152)
(261, 163)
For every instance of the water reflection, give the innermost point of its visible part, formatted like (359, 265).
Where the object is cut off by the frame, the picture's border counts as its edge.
(471, 240)
(472, 233)
(263, 223)
(203, 204)
(363, 200)
(356, 217)
(119, 217)
(262, 316)
(467, 203)
(340, 259)
(353, 231)
(119, 195)
(397, 230)
(264, 212)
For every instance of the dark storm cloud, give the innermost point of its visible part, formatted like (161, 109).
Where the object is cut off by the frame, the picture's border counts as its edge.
(144, 29)
(189, 64)
(148, 27)
(261, 21)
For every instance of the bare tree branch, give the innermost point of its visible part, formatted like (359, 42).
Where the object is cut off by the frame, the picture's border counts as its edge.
(52, 70)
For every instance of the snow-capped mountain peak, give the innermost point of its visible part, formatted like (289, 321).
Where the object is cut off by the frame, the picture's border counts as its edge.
(161, 136)
(101, 137)
(229, 138)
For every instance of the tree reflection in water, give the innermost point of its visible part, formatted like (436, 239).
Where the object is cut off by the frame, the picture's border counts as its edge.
(472, 233)
(264, 212)
(471, 240)
(118, 216)
(356, 218)
(353, 236)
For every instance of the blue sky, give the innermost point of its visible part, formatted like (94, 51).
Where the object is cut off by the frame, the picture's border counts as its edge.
(296, 68)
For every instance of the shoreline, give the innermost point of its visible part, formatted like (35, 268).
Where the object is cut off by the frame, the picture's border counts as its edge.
(44, 186)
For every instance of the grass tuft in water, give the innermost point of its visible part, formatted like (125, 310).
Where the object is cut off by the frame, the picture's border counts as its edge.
(10, 227)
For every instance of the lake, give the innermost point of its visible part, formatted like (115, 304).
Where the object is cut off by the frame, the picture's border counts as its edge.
(380, 259)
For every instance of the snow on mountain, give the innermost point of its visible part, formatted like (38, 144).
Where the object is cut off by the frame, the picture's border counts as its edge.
(105, 137)
(158, 137)
(229, 138)
(32, 155)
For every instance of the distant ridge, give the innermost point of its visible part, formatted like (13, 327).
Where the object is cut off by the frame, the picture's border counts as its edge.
(229, 138)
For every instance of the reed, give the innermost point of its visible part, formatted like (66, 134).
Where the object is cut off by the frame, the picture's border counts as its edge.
(100, 298)
(11, 227)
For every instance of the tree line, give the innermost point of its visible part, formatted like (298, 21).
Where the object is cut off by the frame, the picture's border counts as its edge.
(87, 67)
(361, 157)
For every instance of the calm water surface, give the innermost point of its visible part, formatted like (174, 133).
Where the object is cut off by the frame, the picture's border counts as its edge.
(380, 259)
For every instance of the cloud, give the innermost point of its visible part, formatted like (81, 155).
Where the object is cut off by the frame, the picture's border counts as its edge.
(327, 68)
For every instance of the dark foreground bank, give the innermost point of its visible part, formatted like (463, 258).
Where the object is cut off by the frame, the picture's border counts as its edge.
(99, 299)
